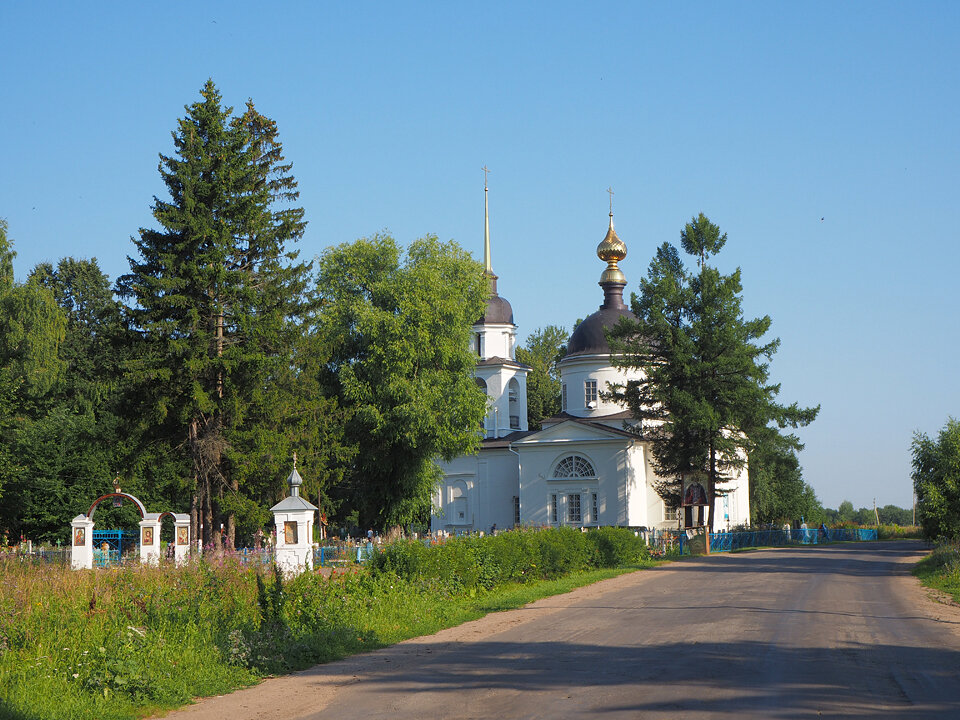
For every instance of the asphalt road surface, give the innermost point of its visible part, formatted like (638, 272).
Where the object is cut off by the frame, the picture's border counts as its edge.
(832, 631)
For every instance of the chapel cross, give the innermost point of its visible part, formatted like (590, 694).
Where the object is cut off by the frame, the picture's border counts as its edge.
(485, 171)
(610, 190)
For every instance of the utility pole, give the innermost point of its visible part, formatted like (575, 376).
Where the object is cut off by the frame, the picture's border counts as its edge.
(875, 513)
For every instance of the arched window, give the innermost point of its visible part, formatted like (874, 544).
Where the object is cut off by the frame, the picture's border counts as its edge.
(513, 393)
(574, 466)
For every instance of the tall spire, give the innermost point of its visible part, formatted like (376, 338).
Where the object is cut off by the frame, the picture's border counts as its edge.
(487, 263)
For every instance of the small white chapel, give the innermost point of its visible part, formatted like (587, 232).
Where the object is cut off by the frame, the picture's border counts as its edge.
(583, 468)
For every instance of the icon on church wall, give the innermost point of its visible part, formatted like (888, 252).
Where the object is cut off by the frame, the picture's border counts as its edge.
(183, 536)
(148, 536)
(290, 532)
(79, 536)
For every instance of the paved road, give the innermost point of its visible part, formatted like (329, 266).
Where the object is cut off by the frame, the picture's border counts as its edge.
(835, 631)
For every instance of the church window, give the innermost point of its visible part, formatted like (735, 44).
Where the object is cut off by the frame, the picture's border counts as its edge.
(574, 466)
(477, 347)
(552, 509)
(594, 509)
(590, 393)
(516, 509)
(563, 397)
(513, 395)
(573, 508)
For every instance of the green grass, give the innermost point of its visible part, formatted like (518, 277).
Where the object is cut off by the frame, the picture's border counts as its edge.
(123, 643)
(941, 570)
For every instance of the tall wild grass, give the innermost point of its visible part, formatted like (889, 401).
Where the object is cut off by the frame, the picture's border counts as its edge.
(118, 643)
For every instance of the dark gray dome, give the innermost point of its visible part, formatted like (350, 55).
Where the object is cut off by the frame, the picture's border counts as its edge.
(590, 338)
(498, 312)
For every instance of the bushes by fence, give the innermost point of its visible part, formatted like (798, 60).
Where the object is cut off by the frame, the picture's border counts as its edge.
(522, 555)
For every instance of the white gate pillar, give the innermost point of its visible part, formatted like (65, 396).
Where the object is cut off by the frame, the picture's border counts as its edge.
(293, 517)
(81, 543)
(181, 537)
(150, 539)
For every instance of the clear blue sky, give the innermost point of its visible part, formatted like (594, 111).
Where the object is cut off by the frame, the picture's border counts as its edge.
(822, 137)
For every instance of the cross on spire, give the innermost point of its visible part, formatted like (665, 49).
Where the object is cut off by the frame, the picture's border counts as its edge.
(610, 190)
(485, 171)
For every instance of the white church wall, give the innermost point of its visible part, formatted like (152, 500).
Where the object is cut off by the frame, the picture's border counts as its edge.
(611, 461)
(576, 372)
(482, 487)
(635, 477)
(496, 340)
(499, 380)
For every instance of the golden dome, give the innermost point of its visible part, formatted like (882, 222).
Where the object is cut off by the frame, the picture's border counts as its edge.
(612, 250)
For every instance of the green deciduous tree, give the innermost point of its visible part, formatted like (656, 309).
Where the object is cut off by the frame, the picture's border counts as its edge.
(705, 380)
(217, 300)
(395, 332)
(70, 450)
(936, 482)
(31, 331)
(543, 350)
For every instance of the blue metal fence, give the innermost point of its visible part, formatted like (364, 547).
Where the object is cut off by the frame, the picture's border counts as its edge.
(727, 541)
(109, 546)
(331, 555)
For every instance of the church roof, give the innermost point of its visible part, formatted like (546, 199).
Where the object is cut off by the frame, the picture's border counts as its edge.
(595, 421)
(590, 337)
(502, 442)
(498, 361)
(499, 311)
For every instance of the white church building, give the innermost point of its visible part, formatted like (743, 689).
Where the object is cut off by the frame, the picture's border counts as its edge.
(582, 468)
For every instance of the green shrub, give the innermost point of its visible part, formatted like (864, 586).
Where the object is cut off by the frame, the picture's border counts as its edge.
(897, 532)
(615, 547)
(941, 569)
(469, 564)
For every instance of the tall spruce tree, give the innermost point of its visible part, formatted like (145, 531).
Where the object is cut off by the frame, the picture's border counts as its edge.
(216, 297)
(705, 379)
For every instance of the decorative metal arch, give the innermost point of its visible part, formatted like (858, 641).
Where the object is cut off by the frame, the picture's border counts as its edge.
(140, 507)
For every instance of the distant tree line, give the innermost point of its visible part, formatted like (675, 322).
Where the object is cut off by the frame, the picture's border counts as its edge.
(197, 375)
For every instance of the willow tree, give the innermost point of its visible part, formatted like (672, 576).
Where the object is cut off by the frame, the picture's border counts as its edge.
(216, 295)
